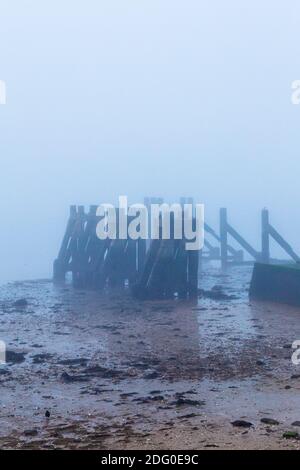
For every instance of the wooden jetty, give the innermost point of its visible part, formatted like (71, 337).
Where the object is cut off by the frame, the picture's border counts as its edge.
(232, 256)
(170, 269)
(95, 263)
(157, 268)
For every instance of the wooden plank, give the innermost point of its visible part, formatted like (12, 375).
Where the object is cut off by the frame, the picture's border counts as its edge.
(265, 241)
(286, 246)
(243, 242)
(211, 231)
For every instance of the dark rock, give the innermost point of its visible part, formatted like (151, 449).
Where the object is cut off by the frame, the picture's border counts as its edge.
(151, 375)
(241, 423)
(157, 398)
(216, 293)
(270, 421)
(70, 362)
(20, 303)
(142, 399)
(30, 432)
(127, 394)
(290, 435)
(98, 371)
(47, 414)
(14, 357)
(41, 358)
(188, 416)
(67, 378)
(260, 362)
(181, 401)
(296, 423)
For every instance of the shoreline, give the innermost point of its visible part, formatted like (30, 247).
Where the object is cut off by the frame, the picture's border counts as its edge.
(116, 373)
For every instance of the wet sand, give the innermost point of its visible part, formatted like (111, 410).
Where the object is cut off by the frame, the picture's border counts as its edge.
(115, 373)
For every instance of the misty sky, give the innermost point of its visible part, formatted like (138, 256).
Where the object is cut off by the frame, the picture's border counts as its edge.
(145, 97)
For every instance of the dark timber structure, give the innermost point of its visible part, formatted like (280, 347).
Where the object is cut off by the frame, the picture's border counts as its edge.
(230, 256)
(95, 263)
(276, 282)
(157, 268)
(153, 269)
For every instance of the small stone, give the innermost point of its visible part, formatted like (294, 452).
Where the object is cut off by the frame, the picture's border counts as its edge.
(151, 375)
(270, 421)
(47, 414)
(260, 362)
(14, 357)
(30, 432)
(290, 435)
(241, 423)
(20, 303)
(181, 401)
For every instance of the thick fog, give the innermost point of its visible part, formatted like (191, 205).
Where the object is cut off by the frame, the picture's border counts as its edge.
(145, 97)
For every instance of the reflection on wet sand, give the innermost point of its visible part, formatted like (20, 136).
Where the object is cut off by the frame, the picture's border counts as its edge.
(113, 371)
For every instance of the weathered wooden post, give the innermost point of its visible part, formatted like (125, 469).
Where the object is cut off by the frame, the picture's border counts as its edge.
(200, 260)
(77, 248)
(181, 270)
(223, 236)
(60, 265)
(141, 254)
(91, 245)
(193, 267)
(265, 239)
(192, 260)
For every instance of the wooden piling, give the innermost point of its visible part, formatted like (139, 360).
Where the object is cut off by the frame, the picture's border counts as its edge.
(265, 243)
(167, 268)
(284, 244)
(61, 264)
(223, 236)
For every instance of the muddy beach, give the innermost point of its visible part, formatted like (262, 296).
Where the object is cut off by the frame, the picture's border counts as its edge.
(90, 370)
